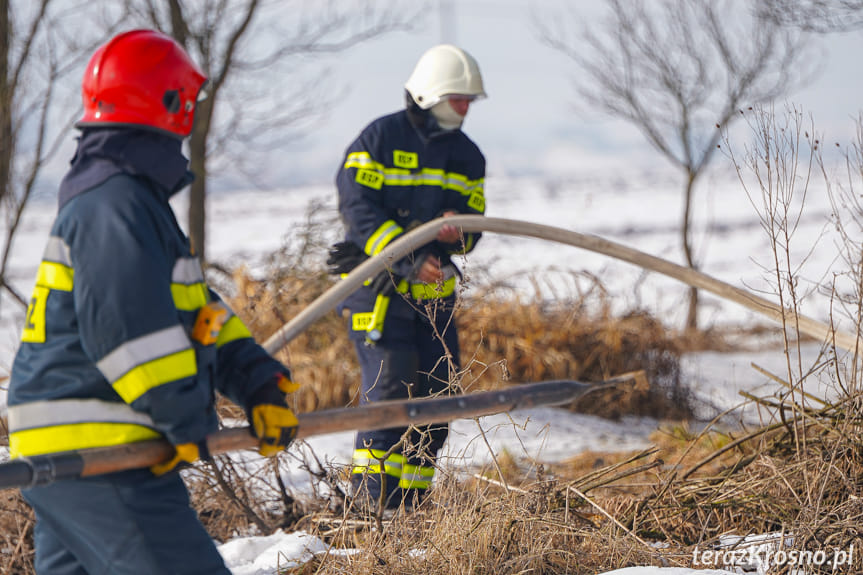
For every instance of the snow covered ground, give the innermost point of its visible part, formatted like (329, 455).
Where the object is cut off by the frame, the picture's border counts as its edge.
(640, 210)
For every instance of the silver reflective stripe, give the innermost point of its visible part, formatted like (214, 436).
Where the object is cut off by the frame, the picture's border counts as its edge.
(143, 349)
(57, 251)
(187, 271)
(416, 477)
(69, 411)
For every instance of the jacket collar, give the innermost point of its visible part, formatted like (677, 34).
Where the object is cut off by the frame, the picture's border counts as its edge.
(423, 121)
(106, 152)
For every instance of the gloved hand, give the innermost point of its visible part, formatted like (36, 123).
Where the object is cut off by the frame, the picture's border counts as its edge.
(275, 425)
(344, 257)
(272, 421)
(185, 453)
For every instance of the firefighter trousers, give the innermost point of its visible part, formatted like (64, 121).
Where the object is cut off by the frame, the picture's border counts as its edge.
(414, 359)
(127, 523)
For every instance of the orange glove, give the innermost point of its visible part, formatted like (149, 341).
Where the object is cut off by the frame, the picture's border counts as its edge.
(184, 454)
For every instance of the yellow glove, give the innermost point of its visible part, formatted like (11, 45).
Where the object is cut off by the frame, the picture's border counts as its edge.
(276, 427)
(184, 453)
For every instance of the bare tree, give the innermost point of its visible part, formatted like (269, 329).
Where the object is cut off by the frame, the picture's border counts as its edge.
(40, 47)
(677, 71)
(820, 16)
(250, 51)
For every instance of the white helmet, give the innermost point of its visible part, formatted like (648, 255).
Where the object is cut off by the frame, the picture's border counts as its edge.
(444, 70)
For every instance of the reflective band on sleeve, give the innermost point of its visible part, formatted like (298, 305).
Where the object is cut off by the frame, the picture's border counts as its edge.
(187, 285)
(55, 276)
(155, 373)
(233, 330)
(143, 349)
(189, 297)
(362, 160)
(416, 477)
(149, 361)
(382, 236)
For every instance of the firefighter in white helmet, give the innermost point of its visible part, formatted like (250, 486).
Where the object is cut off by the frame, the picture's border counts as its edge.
(403, 170)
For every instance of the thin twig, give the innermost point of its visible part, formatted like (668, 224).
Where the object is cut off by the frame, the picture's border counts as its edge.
(607, 514)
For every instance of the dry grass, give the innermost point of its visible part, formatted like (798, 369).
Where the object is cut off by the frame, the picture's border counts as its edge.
(598, 511)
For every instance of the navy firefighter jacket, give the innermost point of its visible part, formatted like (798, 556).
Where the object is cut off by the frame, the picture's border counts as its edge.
(107, 356)
(402, 171)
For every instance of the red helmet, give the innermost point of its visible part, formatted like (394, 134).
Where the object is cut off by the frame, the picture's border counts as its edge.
(141, 78)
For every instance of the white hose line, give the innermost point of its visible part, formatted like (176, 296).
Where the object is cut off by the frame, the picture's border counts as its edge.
(427, 232)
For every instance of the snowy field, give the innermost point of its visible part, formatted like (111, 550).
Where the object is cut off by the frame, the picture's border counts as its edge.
(640, 210)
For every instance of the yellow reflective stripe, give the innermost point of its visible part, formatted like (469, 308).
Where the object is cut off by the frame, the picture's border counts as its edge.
(416, 477)
(143, 349)
(474, 186)
(433, 291)
(189, 297)
(59, 438)
(433, 177)
(55, 276)
(379, 313)
(368, 461)
(146, 376)
(382, 236)
(362, 160)
(233, 330)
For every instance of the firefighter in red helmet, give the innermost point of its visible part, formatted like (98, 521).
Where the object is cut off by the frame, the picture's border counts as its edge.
(112, 351)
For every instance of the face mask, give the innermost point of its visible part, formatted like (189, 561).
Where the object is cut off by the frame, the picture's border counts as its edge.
(446, 117)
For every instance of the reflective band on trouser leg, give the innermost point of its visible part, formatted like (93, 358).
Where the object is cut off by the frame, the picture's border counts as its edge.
(369, 461)
(416, 477)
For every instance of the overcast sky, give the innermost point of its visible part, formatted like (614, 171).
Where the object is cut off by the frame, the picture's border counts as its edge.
(528, 124)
